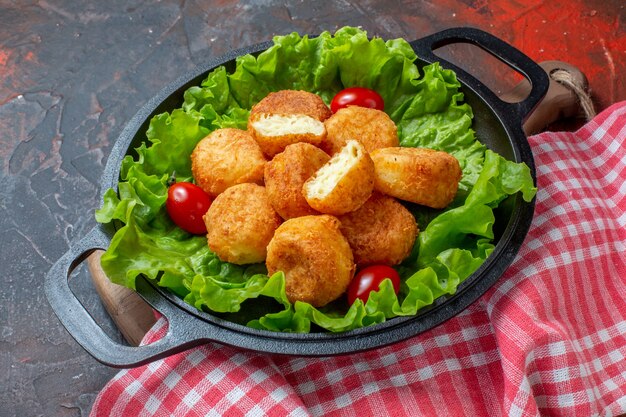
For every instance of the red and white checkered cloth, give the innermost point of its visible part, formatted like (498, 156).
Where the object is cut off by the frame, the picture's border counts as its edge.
(548, 339)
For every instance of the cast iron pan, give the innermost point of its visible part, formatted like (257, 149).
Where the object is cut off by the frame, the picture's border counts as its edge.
(497, 123)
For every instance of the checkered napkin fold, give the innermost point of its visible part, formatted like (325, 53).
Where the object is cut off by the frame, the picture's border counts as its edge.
(548, 339)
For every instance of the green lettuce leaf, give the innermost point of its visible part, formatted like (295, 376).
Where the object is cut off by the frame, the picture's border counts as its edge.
(427, 106)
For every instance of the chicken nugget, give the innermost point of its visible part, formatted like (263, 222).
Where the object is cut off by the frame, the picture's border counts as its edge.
(344, 183)
(315, 258)
(293, 102)
(240, 223)
(423, 176)
(381, 231)
(285, 175)
(286, 117)
(372, 127)
(226, 157)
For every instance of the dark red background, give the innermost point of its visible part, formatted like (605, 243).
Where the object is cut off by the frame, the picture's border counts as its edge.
(72, 73)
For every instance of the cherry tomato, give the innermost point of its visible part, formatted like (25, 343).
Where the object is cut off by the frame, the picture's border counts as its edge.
(357, 96)
(369, 279)
(186, 204)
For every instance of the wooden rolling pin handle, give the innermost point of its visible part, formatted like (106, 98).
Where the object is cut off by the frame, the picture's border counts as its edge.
(133, 316)
(559, 103)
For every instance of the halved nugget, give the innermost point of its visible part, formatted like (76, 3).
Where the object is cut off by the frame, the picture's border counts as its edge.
(226, 157)
(286, 117)
(423, 176)
(285, 175)
(240, 223)
(372, 127)
(344, 183)
(381, 231)
(315, 258)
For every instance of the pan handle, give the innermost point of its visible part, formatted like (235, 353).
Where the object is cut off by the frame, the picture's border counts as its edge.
(81, 325)
(506, 53)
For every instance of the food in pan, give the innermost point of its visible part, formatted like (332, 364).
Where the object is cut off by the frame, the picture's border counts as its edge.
(314, 256)
(343, 183)
(372, 127)
(381, 231)
(286, 117)
(357, 96)
(419, 175)
(285, 175)
(224, 158)
(370, 279)
(186, 205)
(240, 223)
(426, 104)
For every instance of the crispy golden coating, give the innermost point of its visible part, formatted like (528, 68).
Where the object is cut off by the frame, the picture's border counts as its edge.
(373, 128)
(293, 102)
(286, 117)
(344, 183)
(224, 158)
(381, 231)
(315, 258)
(240, 224)
(420, 175)
(285, 175)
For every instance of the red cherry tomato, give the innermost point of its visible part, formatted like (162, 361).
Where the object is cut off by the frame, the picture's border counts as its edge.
(357, 96)
(369, 279)
(186, 204)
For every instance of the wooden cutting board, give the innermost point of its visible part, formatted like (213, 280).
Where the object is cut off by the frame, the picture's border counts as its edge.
(133, 316)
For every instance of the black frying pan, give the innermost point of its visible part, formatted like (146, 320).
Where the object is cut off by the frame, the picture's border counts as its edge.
(497, 123)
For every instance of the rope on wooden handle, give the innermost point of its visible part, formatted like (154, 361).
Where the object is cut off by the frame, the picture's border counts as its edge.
(566, 79)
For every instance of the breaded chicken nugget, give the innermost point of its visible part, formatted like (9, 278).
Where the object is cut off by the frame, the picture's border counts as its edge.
(423, 176)
(226, 157)
(315, 258)
(240, 224)
(293, 102)
(285, 175)
(286, 117)
(381, 231)
(344, 183)
(372, 127)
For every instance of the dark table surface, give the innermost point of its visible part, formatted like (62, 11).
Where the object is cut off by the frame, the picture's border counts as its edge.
(73, 73)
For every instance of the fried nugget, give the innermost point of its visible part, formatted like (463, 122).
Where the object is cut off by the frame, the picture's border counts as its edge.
(372, 127)
(224, 158)
(285, 175)
(344, 183)
(423, 176)
(240, 223)
(286, 117)
(315, 258)
(381, 231)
